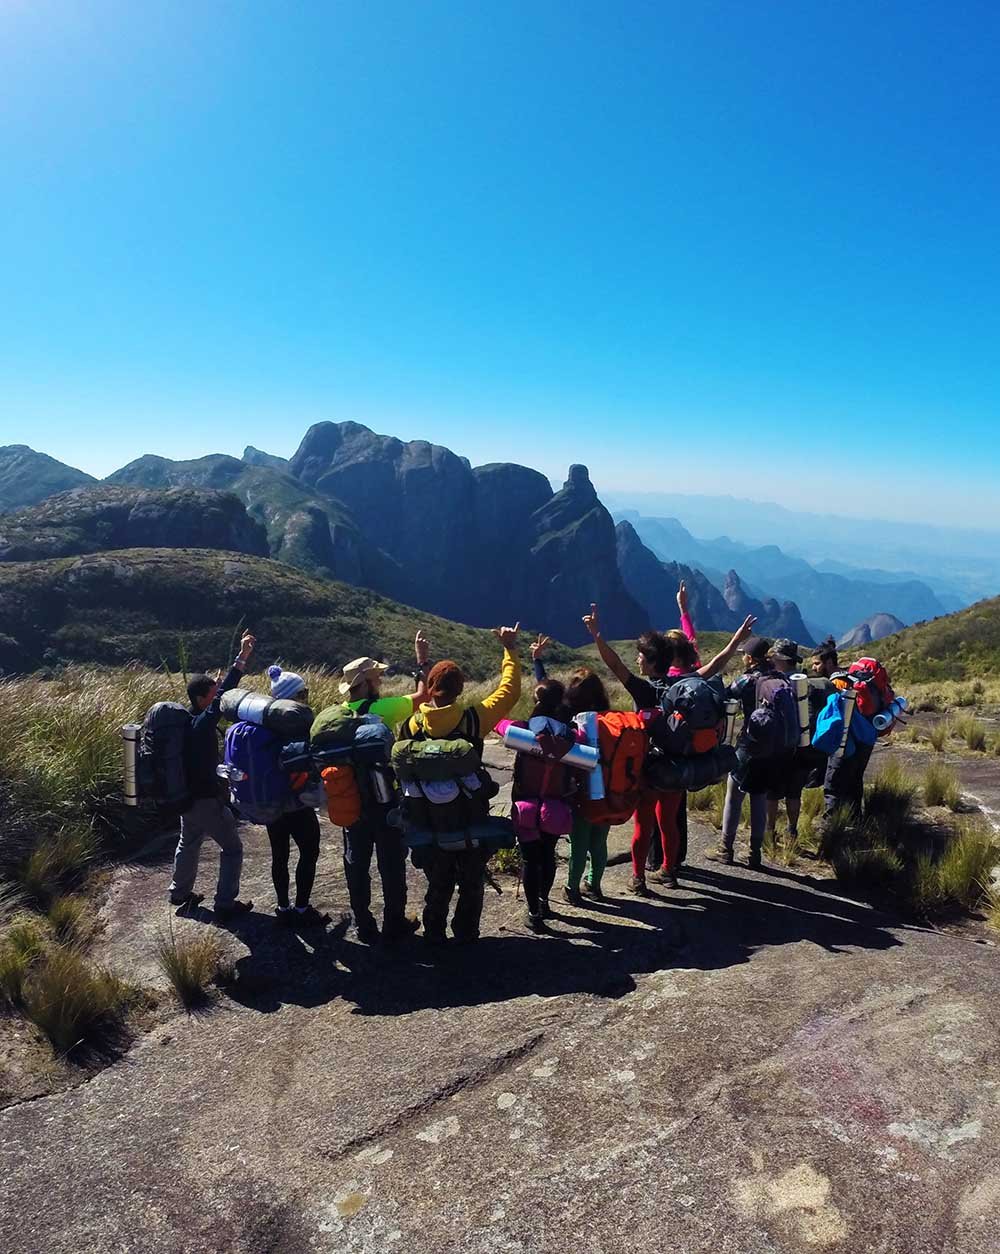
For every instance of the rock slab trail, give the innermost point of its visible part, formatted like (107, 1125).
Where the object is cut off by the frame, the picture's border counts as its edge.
(750, 1064)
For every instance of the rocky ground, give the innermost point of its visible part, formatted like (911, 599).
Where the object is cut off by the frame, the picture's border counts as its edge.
(750, 1064)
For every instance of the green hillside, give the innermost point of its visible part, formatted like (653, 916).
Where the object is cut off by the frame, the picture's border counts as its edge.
(152, 605)
(958, 646)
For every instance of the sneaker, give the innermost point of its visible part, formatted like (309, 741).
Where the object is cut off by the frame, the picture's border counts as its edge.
(663, 877)
(544, 909)
(189, 902)
(284, 915)
(572, 895)
(638, 886)
(755, 862)
(399, 929)
(592, 890)
(535, 922)
(722, 854)
(233, 910)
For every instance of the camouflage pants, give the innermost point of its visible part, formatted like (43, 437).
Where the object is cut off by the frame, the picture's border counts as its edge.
(466, 869)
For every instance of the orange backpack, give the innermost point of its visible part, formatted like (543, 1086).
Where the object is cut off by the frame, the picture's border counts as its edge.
(623, 741)
(343, 797)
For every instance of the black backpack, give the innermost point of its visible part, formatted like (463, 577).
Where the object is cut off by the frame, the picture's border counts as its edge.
(161, 777)
(693, 710)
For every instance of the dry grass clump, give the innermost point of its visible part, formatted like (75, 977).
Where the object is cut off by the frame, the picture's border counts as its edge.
(72, 920)
(190, 965)
(75, 1003)
(940, 786)
(938, 735)
(21, 945)
(971, 731)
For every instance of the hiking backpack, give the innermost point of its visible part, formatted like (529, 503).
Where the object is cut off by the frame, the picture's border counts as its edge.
(773, 727)
(351, 749)
(870, 681)
(694, 712)
(623, 741)
(161, 777)
(446, 791)
(544, 784)
(259, 786)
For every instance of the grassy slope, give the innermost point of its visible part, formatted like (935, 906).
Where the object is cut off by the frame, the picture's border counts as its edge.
(152, 605)
(958, 646)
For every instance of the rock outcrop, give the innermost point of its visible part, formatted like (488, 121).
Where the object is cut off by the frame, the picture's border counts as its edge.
(101, 518)
(654, 584)
(27, 477)
(877, 627)
(773, 618)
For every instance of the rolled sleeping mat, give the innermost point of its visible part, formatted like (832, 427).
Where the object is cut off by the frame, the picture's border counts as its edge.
(587, 723)
(291, 720)
(524, 740)
(881, 722)
(495, 831)
(732, 710)
(800, 683)
(850, 700)
(130, 745)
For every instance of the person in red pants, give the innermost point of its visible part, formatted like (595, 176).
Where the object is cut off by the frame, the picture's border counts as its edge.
(656, 812)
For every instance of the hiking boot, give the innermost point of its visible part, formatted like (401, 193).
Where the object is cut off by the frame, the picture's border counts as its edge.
(233, 910)
(399, 929)
(368, 932)
(572, 895)
(638, 886)
(284, 915)
(535, 921)
(309, 917)
(667, 878)
(755, 862)
(591, 890)
(189, 902)
(722, 854)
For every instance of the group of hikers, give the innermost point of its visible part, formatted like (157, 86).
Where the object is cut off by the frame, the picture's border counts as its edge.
(392, 767)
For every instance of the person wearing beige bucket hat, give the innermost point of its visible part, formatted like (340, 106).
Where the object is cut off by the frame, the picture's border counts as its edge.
(359, 673)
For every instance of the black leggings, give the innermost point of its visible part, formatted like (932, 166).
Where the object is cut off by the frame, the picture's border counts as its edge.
(302, 826)
(539, 860)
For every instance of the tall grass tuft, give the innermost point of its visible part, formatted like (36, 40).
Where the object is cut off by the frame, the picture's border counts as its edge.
(72, 920)
(20, 947)
(940, 786)
(190, 966)
(968, 728)
(967, 864)
(74, 1002)
(874, 870)
(938, 735)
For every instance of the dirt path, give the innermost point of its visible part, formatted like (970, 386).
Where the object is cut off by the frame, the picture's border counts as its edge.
(751, 1065)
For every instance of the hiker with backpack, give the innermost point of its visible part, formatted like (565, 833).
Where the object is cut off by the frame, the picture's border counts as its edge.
(868, 683)
(768, 737)
(790, 771)
(370, 832)
(445, 717)
(205, 812)
(661, 660)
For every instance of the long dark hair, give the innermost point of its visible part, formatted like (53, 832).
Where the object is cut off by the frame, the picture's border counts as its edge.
(550, 701)
(586, 692)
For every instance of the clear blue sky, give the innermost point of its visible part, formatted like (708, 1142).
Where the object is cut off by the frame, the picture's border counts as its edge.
(666, 239)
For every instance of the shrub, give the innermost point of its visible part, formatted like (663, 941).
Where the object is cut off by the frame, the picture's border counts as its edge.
(890, 799)
(966, 865)
(21, 945)
(190, 966)
(932, 702)
(964, 697)
(992, 907)
(57, 860)
(72, 920)
(73, 1002)
(924, 889)
(971, 730)
(875, 870)
(910, 735)
(838, 831)
(941, 786)
(938, 734)
(978, 688)
(507, 861)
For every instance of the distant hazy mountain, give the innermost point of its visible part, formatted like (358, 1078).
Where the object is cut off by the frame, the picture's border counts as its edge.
(875, 628)
(833, 602)
(27, 477)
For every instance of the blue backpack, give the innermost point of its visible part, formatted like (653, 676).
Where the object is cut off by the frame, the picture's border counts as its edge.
(259, 785)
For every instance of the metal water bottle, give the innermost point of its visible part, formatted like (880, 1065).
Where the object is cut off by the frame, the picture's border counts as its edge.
(130, 742)
(381, 785)
(732, 709)
(800, 683)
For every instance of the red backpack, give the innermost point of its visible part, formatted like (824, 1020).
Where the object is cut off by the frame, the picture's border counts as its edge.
(623, 741)
(871, 683)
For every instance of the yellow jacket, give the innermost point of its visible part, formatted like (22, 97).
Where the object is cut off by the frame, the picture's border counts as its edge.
(441, 720)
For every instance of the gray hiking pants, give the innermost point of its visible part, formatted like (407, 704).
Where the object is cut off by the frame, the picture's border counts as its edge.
(731, 816)
(208, 817)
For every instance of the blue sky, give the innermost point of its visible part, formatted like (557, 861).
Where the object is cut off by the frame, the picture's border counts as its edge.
(723, 247)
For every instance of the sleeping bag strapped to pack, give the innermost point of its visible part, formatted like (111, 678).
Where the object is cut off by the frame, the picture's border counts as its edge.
(773, 726)
(445, 790)
(290, 720)
(544, 781)
(352, 749)
(870, 681)
(623, 741)
(694, 712)
(690, 774)
(160, 776)
(259, 786)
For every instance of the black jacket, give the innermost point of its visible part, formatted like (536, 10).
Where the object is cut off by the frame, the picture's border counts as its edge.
(201, 748)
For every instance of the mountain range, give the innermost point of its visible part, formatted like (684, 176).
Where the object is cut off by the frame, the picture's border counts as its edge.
(418, 524)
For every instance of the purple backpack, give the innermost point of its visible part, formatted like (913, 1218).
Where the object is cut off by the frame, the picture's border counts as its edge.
(773, 727)
(258, 784)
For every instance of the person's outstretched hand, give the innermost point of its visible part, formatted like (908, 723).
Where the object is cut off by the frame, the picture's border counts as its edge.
(682, 597)
(247, 645)
(746, 630)
(539, 646)
(592, 622)
(422, 648)
(507, 635)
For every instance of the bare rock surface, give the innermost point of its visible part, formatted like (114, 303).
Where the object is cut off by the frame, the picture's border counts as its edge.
(749, 1065)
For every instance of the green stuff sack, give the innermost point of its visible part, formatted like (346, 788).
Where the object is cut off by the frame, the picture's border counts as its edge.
(432, 761)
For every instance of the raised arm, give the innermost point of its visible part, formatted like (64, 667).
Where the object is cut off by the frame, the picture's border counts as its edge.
(608, 656)
(504, 697)
(537, 648)
(422, 650)
(721, 660)
(687, 626)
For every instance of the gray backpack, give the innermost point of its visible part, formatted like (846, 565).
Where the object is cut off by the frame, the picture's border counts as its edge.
(693, 710)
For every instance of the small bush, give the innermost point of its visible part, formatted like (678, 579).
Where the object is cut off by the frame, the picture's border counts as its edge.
(992, 907)
(21, 945)
(924, 888)
(890, 799)
(940, 786)
(932, 702)
(964, 697)
(938, 735)
(73, 1002)
(910, 735)
(837, 832)
(190, 966)
(875, 870)
(978, 688)
(972, 731)
(967, 864)
(72, 920)
(56, 861)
